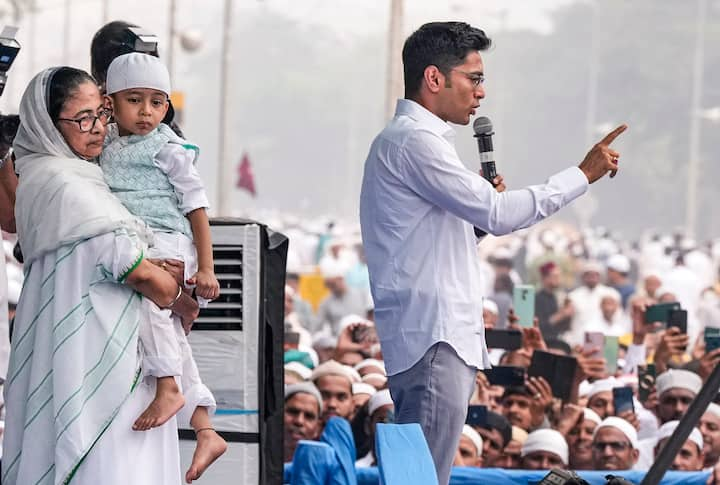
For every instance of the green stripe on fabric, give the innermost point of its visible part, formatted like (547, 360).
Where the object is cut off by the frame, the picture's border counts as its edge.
(102, 381)
(32, 323)
(60, 259)
(82, 324)
(45, 474)
(10, 466)
(37, 413)
(27, 359)
(69, 314)
(132, 268)
(102, 356)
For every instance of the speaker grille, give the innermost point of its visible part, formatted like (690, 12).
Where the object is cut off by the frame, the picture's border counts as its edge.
(226, 312)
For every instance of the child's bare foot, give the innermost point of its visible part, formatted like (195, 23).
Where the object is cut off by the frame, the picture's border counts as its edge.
(168, 401)
(210, 446)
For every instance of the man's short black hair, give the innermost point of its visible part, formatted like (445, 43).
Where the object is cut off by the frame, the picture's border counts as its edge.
(441, 44)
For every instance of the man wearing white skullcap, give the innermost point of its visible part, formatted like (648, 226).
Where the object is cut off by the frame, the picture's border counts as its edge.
(362, 392)
(470, 448)
(586, 301)
(491, 313)
(580, 438)
(690, 457)
(303, 405)
(676, 389)
(600, 397)
(334, 381)
(544, 449)
(380, 409)
(615, 445)
(370, 366)
(710, 428)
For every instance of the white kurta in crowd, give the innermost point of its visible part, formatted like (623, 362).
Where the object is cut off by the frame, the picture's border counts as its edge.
(418, 206)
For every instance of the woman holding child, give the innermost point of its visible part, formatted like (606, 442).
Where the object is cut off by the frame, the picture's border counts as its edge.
(75, 386)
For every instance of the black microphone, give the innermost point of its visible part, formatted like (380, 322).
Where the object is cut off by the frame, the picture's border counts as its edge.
(483, 132)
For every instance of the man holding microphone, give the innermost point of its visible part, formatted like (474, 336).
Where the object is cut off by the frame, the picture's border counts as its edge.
(418, 207)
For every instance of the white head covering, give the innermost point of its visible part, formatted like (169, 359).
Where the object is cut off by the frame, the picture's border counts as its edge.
(678, 378)
(546, 440)
(299, 369)
(304, 387)
(490, 306)
(335, 368)
(713, 409)
(603, 385)
(591, 415)
(519, 435)
(363, 388)
(348, 320)
(619, 263)
(667, 429)
(60, 198)
(473, 436)
(622, 425)
(137, 70)
(379, 379)
(378, 400)
(370, 363)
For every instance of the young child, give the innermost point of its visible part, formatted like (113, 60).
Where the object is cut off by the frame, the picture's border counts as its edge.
(151, 170)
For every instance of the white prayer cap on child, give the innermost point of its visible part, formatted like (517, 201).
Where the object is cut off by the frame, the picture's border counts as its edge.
(335, 368)
(678, 378)
(136, 70)
(591, 415)
(603, 385)
(370, 363)
(546, 440)
(304, 387)
(620, 424)
(667, 429)
(378, 400)
(475, 437)
(713, 409)
(363, 388)
(490, 306)
(299, 369)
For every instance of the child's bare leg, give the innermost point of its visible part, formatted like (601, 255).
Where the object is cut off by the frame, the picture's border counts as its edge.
(210, 445)
(168, 401)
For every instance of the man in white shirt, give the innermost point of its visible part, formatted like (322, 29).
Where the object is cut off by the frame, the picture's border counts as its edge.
(418, 206)
(586, 301)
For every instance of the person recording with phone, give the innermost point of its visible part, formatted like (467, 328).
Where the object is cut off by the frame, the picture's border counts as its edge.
(419, 206)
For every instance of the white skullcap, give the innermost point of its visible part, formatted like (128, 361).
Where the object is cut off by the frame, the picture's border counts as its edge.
(378, 400)
(519, 435)
(713, 409)
(363, 388)
(619, 263)
(334, 368)
(502, 252)
(592, 266)
(299, 369)
(348, 320)
(374, 376)
(333, 269)
(584, 388)
(678, 378)
(304, 387)
(603, 385)
(490, 306)
(546, 440)
(370, 363)
(611, 293)
(136, 70)
(620, 424)
(591, 415)
(475, 437)
(667, 429)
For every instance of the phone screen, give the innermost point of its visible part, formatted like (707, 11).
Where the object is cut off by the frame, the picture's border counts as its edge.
(611, 353)
(623, 400)
(477, 416)
(524, 304)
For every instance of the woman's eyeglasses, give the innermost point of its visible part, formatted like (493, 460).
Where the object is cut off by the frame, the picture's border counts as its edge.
(87, 123)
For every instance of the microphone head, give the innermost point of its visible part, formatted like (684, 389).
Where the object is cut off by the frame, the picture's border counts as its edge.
(482, 126)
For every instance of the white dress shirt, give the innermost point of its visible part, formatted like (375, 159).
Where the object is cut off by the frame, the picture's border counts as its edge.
(418, 206)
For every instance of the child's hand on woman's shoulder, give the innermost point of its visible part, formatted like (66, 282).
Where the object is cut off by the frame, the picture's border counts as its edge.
(206, 284)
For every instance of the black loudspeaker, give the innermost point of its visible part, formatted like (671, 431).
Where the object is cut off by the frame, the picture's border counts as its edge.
(237, 342)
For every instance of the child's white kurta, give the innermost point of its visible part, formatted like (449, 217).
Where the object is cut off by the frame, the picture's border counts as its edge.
(72, 393)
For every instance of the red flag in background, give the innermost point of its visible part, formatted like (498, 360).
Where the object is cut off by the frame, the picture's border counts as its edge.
(246, 180)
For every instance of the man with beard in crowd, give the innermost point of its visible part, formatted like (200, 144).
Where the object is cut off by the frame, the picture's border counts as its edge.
(334, 381)
(676, 389)
(544, 449)
(615, 445)
(303, 406)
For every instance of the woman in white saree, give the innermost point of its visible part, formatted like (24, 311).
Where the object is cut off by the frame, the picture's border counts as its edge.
(74, 385)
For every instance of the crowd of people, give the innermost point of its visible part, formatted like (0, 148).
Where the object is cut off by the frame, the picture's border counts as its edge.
(586, 282)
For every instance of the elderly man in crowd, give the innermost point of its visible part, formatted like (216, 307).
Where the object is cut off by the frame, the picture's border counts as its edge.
(676, 388)
(614, 445)
(690, 458)
(334, 381)
(710, 429)
(544, 449)
(303, 406)
(469, 449)
(380, 409)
